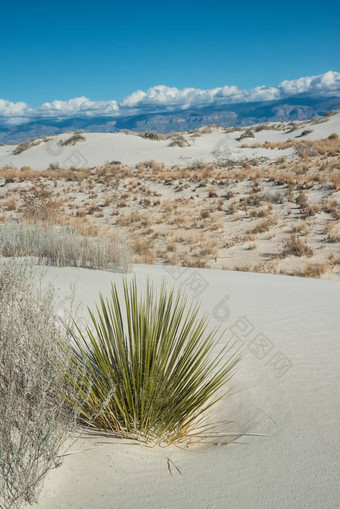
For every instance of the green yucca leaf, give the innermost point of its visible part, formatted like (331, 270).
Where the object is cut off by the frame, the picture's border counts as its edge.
(145, 368)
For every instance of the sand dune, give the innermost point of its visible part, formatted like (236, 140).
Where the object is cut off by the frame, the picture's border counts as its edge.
(218, 145)
(287, 387)
(292, 388)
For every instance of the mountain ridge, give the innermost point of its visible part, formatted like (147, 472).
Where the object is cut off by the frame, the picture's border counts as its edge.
(300, 107)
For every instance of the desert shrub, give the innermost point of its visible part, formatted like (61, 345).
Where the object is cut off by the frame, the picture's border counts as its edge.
(178, 141)
(25, 146)
(306, 132)
(333, 136)
(54, 166)
(315, 270)
(76, 138)
(247, 134)
(274, 197)
(264, 225)
(261, 127)
(296, 247)
(256, 199)
(333, 235)
(10, 203)
(37, 202)
(62, 246)
(151, 135)
(150, 362)
(197, 165)
(34, 416)
(208, 129)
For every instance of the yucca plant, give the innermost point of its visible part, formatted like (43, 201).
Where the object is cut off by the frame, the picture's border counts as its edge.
(146, 367)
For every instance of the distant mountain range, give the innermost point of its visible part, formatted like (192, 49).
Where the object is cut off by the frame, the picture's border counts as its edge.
(300, 107)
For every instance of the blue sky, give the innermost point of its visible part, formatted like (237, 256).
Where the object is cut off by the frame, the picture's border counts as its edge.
(106, 50)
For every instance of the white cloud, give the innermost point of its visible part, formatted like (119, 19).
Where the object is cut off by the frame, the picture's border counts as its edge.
(163, 98)
(78, 105)
(325, 84)
(169, 97)
(9, 109)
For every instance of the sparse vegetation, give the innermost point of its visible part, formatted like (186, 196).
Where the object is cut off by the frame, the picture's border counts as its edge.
(222, 204)
(62, 246)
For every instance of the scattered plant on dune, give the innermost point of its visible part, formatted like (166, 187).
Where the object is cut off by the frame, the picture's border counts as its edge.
(25, 146)
(75, 138)
(34, 416)
(147, 366)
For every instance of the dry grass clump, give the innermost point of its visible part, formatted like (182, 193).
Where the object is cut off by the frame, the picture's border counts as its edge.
(332, 207)
(143, 250)
(62, 246)
(76, 138)
(315, 270)
(34, 417)
(305, 148)
(333, 235)
(335, 179)
(264, 226)
(296, 247)
(24, 173)
(10, 203)
(38, 202)
(328, 146)
(155, 377)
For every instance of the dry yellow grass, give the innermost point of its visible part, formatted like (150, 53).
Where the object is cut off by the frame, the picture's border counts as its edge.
(202, 216)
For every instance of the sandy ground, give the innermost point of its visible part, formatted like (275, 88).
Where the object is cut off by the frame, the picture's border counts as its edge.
(289, 331)
(218, 145)
(232, 217)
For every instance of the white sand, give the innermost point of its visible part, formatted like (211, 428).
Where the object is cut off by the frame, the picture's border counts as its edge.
(101, 148)
(297, 466)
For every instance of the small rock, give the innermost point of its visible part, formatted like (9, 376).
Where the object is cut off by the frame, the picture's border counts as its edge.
(2, 182)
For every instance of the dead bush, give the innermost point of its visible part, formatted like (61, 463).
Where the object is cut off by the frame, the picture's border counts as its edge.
(294, 246)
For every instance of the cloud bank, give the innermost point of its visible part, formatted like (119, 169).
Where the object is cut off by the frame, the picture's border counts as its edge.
(162, 99)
